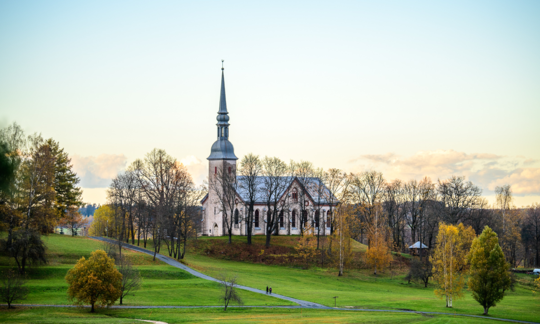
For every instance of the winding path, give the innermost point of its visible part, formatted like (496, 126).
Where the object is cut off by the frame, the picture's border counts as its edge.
(174, 263)
(301, 303)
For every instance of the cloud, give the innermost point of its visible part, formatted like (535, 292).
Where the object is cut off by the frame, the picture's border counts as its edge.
(484, 169)
(523, 181)
(98, 171)
(196, 168)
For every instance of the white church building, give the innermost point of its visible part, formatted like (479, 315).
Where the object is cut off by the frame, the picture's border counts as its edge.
(305, 201)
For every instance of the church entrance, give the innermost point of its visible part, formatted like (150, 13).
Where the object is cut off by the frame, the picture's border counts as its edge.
(215, 230)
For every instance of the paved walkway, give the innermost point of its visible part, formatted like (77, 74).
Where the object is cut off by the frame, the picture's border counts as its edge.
(301, 303)
(174, 263)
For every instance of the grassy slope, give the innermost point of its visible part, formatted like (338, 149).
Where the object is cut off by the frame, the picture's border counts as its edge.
(77, 315)
(161, 285)
(360, 289)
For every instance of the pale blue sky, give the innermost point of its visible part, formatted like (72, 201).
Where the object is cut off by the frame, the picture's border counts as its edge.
(409, 88)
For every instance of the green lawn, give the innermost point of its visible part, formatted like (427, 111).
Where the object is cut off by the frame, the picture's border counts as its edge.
(161, 285)
(233, 315)
(360, 289)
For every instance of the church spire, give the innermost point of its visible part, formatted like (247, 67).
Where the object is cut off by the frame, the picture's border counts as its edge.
(222, 148)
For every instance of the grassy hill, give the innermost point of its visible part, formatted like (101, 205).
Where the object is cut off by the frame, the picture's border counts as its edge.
(166, 285)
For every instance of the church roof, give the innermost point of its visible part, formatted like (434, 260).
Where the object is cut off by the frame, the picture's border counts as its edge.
(311, 185)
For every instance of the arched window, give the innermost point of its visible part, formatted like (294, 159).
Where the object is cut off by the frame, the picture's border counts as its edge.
(236, 217)
(295, 195)
(329, 219)
(257, 218)
(215, 170)
(281, 218)
(317, 217)
(304, 217)
(293, 218)
(229, 170)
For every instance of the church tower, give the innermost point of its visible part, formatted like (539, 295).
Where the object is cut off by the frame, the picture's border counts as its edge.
(221, 159)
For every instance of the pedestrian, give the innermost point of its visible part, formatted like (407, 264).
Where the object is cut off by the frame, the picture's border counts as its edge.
(267, 290)
(270, 290)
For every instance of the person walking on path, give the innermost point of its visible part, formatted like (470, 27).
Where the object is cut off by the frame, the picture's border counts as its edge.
(270, 290)
(267, 290)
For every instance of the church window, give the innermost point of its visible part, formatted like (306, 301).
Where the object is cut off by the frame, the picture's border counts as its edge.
(229, 170)
(295, 195)
(293, 218)
(236, 217)
(329, 219)
(257, 218)
(317, 216)
(215, 170)
(304, 217)
(215, 210)
(281, 218)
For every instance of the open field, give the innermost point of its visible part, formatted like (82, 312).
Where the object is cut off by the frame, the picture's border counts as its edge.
(360, 289)
(166, 285)
(233, 315)
(161, 285)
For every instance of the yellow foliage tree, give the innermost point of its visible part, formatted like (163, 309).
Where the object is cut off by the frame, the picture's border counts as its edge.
(95, 280)
(340, 241)
(449, 260)
(378, 254)
(307, 246)
(103, 221)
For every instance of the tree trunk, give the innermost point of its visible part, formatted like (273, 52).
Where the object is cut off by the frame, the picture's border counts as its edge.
(92, 310)
(486, 309)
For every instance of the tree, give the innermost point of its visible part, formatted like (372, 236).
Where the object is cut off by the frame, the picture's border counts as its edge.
(489, 277)
(449, 260)
(224, 184)
(275, 184)
(73, 220)
(229, 292)
(68, 195)
(26, 248)
(306, 248)
(458, 197)
(531, 233)
(249, 182)
(131, 279)
(103, 222)
(95, 280)
(13, 287)
(340, 240)
(378, 254)
(421, 269)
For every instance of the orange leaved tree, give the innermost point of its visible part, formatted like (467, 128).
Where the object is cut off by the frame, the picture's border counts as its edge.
(95, 280)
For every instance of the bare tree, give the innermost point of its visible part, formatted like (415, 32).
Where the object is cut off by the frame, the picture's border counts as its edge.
(249, 182)
(335, 181)
(274, 186)
(458, 197)
(13, 287)
(367, 190)
(303, 171)
(396, 214)
(417, 194)
(229, 290)
(504, 203)
(131, 279)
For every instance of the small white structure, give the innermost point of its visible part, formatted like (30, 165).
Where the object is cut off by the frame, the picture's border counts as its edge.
(418, 245)
(536, 271)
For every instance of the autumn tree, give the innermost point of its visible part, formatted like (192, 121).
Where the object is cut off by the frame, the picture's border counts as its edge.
(489, 277)
(449, 260)
(378, 254)
(306, 248)
(95, 280)
(340, 240)
(73, 220)
(102, 225)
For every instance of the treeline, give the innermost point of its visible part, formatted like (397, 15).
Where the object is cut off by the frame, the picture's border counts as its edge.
(88, 210)
(38, 191)
(154, 198)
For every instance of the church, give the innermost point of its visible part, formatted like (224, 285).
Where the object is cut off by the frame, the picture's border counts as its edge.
(304, 201)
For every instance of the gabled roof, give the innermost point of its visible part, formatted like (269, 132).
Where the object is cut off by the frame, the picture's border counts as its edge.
(417, 245)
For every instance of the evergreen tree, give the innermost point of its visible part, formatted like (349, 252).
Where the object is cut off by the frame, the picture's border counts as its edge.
(489, 277)
(65, 180)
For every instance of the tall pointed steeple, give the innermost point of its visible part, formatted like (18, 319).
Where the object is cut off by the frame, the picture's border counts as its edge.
(222, 149)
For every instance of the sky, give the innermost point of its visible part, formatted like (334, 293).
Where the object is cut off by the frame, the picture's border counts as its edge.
(407, 88)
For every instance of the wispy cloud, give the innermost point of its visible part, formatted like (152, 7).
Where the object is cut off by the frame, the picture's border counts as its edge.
(97, 171)
(484, 169)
